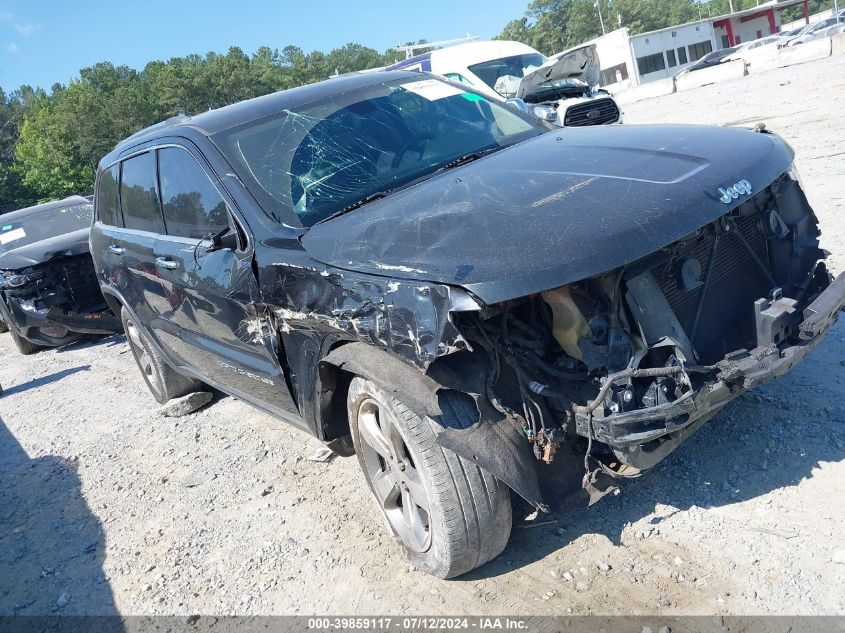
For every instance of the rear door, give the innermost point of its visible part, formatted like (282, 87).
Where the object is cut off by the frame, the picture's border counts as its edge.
(220, 331)
(107, 240)
(141, 211)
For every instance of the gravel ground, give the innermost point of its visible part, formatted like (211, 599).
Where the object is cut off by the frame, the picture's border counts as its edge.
(107, 507)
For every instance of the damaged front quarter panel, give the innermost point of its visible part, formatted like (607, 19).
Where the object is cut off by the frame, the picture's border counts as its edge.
(392, 331)
(409, 319)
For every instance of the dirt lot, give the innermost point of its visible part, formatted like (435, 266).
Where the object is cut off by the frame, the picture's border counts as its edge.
(107, 507)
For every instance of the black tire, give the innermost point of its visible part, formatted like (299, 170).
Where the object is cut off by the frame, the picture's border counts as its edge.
(3, 327)
(164, 382)
(24, 346)
(468, 517)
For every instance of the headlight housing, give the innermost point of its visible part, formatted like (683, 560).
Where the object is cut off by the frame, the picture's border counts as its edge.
(20, 280)
(545, 112)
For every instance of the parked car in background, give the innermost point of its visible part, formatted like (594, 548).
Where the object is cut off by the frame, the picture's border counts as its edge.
(709, 60)
(562, 89)
(407, 268)
(824, 28)
(744, 50)
(49, 294)
(792, 33)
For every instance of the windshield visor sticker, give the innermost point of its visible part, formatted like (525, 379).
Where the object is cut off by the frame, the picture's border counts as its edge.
(8, 227)
(432, 89)
(471, 96)
(11, 236)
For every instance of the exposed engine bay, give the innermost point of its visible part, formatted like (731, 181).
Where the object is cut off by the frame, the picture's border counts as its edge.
(632, 361)
(552, 94)
(564, 90)
(574, 105)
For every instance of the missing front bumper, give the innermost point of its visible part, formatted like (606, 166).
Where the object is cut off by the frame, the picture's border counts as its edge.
(54, 327)
(643, 437)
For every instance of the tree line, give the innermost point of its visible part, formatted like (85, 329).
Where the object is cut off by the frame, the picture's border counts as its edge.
(50, 142)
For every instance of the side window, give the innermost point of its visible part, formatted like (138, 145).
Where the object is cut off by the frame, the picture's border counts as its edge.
(458, 77)
(192, 206)
(138, 194)
(108, 202)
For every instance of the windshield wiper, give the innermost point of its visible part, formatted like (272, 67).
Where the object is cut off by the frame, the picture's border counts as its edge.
(468, 158)
(357, 204)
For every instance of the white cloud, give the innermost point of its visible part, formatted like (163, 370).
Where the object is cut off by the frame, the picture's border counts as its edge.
(25, 30)
(12, 48)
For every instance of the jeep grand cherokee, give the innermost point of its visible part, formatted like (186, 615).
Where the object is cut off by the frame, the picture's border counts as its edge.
(413, 272)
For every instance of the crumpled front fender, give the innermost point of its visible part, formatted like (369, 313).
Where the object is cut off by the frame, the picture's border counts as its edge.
(493, 441)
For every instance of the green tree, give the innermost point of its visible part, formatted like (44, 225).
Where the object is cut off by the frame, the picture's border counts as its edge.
(13, 192)
(50, 144)
(516, 30)
(47, 153)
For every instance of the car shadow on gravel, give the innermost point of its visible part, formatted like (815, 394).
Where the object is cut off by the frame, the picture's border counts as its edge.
(761, 442)
(92, 341)
(52, 545)
(36, 383)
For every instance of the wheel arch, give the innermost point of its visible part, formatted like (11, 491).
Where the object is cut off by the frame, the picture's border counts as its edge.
(112, 300)
(346, 359)
(493, 441)
(117, 303)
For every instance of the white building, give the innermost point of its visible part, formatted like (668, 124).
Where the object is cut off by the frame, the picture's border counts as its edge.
(629, 60)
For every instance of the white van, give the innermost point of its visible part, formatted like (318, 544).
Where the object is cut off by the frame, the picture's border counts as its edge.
(561, 89)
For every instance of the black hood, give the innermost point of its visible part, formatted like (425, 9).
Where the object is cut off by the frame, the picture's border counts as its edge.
(553, 210)
(74, 243)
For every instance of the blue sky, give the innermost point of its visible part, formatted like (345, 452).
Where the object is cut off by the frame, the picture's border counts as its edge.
(47, 41)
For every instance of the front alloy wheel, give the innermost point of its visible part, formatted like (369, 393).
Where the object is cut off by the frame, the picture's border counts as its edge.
(449, 515)
(395, 480)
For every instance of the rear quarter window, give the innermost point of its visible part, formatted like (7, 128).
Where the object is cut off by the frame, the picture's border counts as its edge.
(139, 194)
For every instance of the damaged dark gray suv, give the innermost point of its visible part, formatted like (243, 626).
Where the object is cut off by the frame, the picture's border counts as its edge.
(410, 271)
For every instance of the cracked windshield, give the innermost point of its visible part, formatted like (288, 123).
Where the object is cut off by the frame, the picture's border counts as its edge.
(321, 159)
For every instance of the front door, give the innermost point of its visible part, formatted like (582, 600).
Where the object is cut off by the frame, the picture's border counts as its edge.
(222, 333)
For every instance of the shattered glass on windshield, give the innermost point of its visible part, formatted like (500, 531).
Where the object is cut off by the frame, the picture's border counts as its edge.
(319, 160)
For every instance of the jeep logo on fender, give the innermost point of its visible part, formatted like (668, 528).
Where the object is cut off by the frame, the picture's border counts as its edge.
(743, 187)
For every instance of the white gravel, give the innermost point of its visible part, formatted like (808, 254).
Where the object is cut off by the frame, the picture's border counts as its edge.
(105, 506)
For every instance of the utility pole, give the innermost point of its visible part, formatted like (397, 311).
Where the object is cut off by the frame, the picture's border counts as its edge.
(601, 21)
(836, 11)
(731, 3)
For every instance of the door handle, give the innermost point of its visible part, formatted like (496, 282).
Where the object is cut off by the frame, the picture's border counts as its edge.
(169, 264)
(117, 250)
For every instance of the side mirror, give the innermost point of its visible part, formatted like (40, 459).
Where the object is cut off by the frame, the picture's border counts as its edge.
(519, 104)
(226, 239)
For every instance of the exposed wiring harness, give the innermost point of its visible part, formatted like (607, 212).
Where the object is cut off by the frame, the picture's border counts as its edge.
(648, 372)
